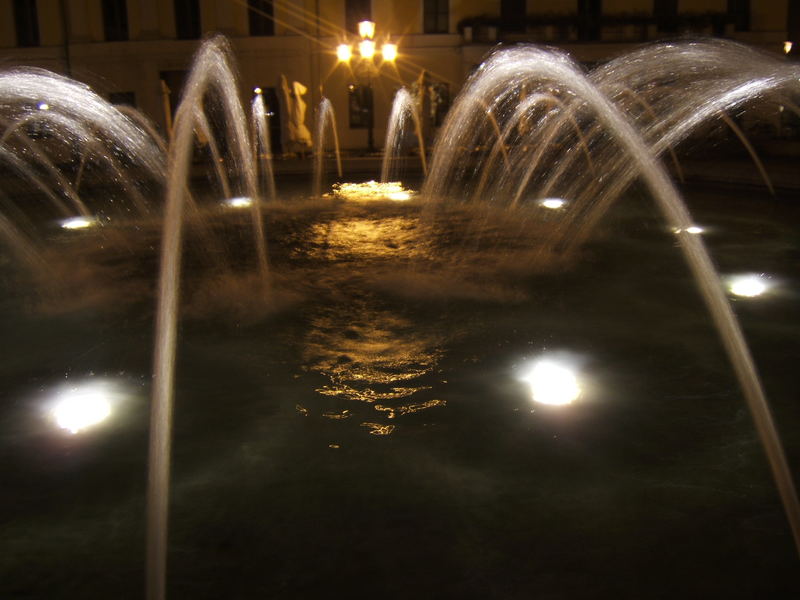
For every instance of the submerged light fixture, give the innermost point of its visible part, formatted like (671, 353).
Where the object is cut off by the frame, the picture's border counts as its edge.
(552, 381)
(78, 223)
(748, 286)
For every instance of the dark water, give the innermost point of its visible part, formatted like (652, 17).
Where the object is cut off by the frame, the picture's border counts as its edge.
(365, 432)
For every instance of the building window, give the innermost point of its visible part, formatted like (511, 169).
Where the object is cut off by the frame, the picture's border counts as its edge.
(739, 12)
(512, 15)
(356, 11)
(26, 22)
(360, 105)
(590, 13)
(262, 17)
(115, 20)
(436, 16)
(187, 19)
(666, 14)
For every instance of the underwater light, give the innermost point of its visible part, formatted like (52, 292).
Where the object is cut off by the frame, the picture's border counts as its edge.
(78, 223)
(552, 203)
(748, 286)
(81, 407)
(239, 202)
(552, 382)
(693, 229)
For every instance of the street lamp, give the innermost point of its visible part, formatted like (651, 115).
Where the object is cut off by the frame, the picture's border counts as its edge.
(365, 58)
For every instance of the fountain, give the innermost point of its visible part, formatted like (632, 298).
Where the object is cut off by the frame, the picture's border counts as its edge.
(516, 195)
(326, 121)
(403, 106)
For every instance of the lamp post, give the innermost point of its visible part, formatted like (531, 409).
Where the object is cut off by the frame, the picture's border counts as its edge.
(367, 59)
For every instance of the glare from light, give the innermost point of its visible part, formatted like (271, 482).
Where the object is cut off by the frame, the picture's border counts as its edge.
(344, 52)
(389, 52)
(552, 382)
(692, 229)
(372, 190)
(240, 202)
(78, 223)
(81, 407)
(366, 48)
(787, 47)
(748, 286)
(366, 29)
(43, 106)
(405, 195)
(553, 203)
(257, 90)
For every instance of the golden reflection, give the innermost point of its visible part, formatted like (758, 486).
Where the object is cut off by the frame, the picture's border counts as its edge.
(372, 190)
(376, 358)
(407, 409)
(337, 415)
(378, 429)
(362, 237)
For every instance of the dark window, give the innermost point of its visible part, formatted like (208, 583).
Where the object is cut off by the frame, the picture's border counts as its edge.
(590, 13)
(360, 104)
(115, 20)
(666, 14)
(187, 19)
(739, 12)
(356, 11)
(436, 16)
(122, 99)
(793, 27)
(512, 15)
(261, 13)
(26, 22)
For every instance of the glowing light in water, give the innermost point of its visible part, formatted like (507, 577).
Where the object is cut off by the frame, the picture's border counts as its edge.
(78, 223)
(748, 286)
(787, 47)
(43, 106)
(372, 190)
(82, 406)
(693, 229)
(552, 382)
(239, 202)
(553, 203)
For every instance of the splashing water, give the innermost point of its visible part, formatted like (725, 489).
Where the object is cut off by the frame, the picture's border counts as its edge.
(326, 121)
(404, 105)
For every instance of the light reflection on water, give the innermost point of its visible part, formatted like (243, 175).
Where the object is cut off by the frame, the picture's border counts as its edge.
(380, 359)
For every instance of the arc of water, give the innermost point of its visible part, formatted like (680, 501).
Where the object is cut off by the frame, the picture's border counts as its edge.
(402, 106)
(561, 114)
(26, 87)
(202, 124)
(649, 110)
(750, 150)
(262, 145)
(61, 181)
(530, 63)
(325, 115)
(90, 141)
(736, 94)
(211, 67)
(21, 167)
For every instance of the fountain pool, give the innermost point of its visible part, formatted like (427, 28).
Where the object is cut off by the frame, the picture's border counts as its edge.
(366, 424)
